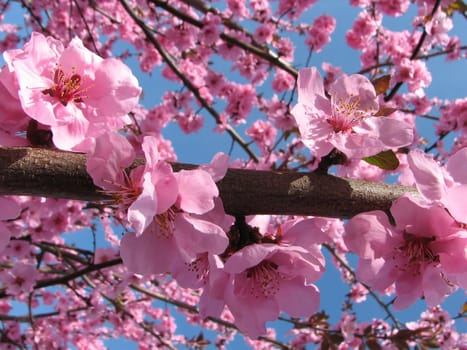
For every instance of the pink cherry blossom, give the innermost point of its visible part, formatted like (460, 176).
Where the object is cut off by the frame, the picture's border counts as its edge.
(425, 254)
(319, 34)
(177, 234)
(345, 121)
(72, 90)
(21, 278)
(256, 282)
(148, 190)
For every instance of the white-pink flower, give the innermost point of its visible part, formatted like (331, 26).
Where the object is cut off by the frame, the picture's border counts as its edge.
(424, 254)
(346, 120)
(178, 234)
(257, 281)
(71, 89)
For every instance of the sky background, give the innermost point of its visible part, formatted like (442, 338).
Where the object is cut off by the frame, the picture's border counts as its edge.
(448, 83)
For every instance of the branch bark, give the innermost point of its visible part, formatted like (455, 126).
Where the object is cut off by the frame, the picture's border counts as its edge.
(59, 174)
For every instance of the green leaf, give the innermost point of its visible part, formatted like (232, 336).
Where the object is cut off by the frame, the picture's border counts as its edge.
(386, 160)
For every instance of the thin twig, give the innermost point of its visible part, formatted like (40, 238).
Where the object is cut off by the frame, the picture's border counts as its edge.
(370, 291)
(194, 90)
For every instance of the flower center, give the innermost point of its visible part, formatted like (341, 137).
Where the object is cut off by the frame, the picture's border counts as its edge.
(200, 267)
(165, 222)
(264, 279)
(417, 250)
(66, 87)
(346, 113)
(126, 193)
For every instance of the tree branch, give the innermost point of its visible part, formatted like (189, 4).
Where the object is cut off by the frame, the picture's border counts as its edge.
(59, 174)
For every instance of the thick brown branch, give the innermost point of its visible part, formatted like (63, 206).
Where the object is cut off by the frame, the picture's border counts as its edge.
(50, 173)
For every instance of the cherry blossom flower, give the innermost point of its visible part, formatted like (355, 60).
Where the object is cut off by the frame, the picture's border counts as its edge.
(320, 32)
(72, 90)
(425, 254)
(345, 121)
(148, 190)
(21, 278)
(178, 234)
(256, 282)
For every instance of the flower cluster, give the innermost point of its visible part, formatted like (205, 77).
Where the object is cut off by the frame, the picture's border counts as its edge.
(425, 253)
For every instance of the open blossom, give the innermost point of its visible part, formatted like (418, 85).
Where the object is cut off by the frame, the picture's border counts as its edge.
(178, 234)
(76, 93)
(346, 120)
(424, 255)
(257, 281)
(148, 190)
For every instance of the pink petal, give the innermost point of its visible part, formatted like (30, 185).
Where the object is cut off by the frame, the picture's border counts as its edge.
(393, 133)
(435, 288)
(315, 131)
(376, 273)
(305, 301)
(421, 221)
(166, 186)
(452, 252)
(196, 191)
(109, 155)
(408, 290)
(150, 253)
(116, 90)
(218, 166)
(355, 85)
(141, 212)
(5, 236)
(428, 175)
(369, 234)
(198, 236)
(151, 154)
(70, 129)
(457, 166)
(455, 200)
(310, 85)
(9, 209)
(248, 256)
(356, 145)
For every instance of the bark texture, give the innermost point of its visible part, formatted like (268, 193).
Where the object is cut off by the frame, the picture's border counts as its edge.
(52, 173)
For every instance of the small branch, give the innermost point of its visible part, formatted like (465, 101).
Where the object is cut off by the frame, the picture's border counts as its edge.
(414, 55)
(370, 291)
(76, 274)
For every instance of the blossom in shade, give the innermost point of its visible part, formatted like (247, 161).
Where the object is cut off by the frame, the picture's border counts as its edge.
(9, 209)
(346, 120)
(424, 254)
(72, 90)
